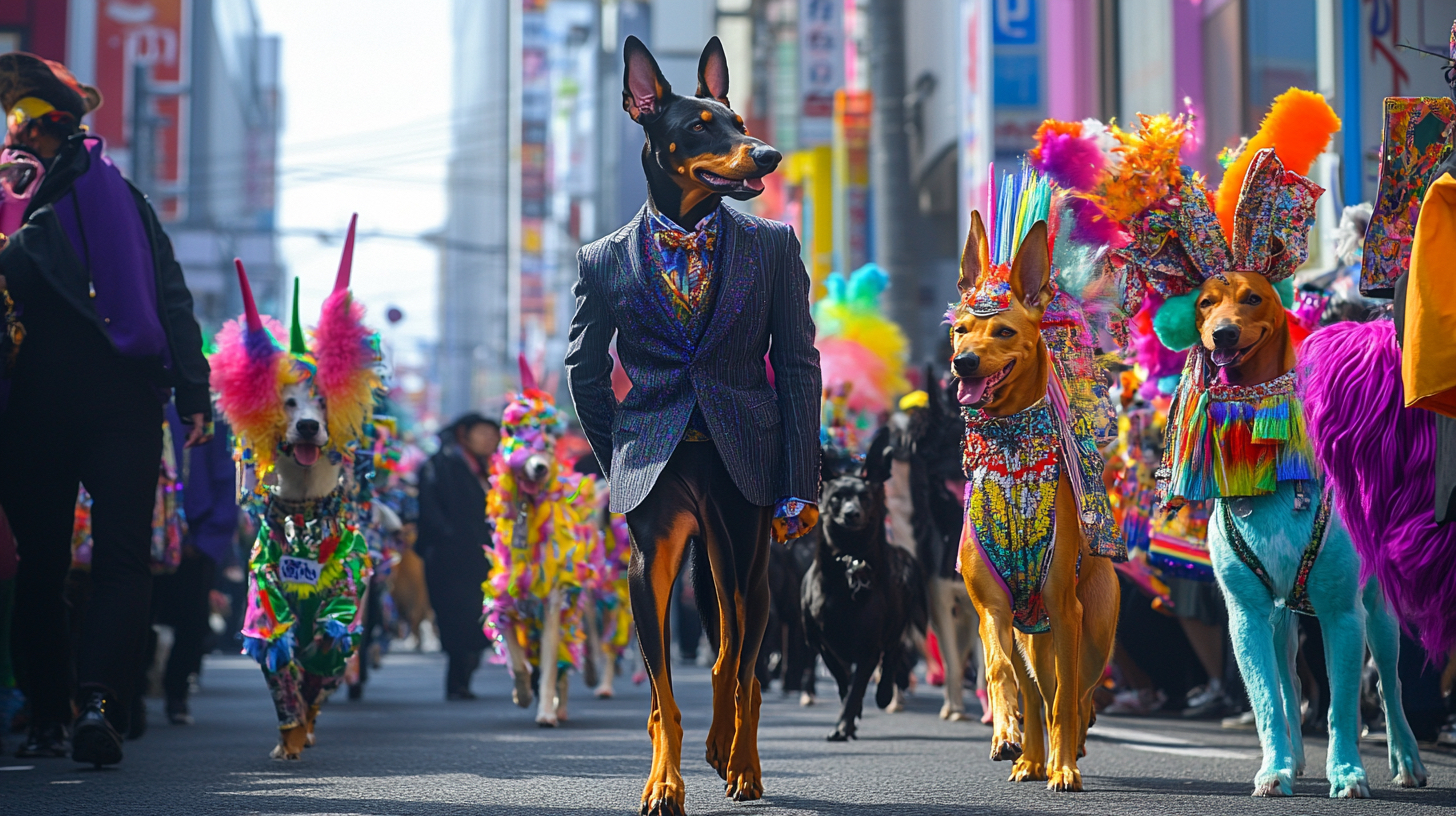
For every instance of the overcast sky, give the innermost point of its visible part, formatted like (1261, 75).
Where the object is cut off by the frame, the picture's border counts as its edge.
(366, 100)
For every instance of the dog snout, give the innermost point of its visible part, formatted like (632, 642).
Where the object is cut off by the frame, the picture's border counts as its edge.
(536, 470)
(965, 364)
(1226, 335)
(765, 157)
(307, 428)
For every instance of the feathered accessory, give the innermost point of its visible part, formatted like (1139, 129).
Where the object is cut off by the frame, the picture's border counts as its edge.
(251, 367)
(858, 346)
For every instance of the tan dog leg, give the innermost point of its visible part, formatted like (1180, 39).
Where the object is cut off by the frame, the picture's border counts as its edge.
(520, 667)
(550, 645)
(1031, 767)
(994, 610)
(1101, 598)
(608, 672)
(291, 742)
(943, 622)
(592, 653)
(1064, 610)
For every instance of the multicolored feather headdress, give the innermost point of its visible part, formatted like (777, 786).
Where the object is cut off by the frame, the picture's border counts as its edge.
(530, 420)
(251, 367)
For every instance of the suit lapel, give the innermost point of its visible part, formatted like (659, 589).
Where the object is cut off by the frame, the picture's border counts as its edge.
(644, 281)
(736, 268)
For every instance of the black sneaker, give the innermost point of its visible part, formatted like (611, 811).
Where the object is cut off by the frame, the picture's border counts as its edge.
(45, 742)
(178, 713)
(94, 741)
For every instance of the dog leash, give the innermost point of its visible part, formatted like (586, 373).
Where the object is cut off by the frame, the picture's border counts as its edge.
(1298, 599)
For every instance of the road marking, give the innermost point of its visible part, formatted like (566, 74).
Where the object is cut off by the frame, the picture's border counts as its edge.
(17, 768)
(1162, 744)
(66, 782)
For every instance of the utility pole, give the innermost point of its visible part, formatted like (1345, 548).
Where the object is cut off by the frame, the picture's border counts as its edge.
(894, 196)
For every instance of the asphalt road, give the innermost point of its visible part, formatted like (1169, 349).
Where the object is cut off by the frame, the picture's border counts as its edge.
(404, 750)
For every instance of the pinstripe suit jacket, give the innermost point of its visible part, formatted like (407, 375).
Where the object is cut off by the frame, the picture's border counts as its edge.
(768, 436)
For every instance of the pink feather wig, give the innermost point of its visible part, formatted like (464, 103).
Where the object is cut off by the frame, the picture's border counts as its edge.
(249, 371)
(344, 351)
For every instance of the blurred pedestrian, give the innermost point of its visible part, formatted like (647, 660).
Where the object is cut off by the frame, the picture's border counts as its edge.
(108, 334)
(183, 602)
(453, 534)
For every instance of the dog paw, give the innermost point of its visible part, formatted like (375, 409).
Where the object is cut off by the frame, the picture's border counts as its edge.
(896, 706)
(664, 798)
(1064, 779)
(1407, 772)
(1274, 784)
(546, 721)
(1348, 783)
(604, 693)
(745, 785)
(1005, 750)
(279, 752)
(720, 748)
(1027, 771)
(521, 695)
(806, 699)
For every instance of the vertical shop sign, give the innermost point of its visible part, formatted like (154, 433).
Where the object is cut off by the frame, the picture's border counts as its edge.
(821, 68)
(535, 128)
(976, 147)
(153, 36)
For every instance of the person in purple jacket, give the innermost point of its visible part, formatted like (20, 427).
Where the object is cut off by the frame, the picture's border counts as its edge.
(108, 337)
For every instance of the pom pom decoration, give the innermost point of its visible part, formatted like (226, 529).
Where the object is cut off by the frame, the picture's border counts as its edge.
(345, 351)
(249, 370)
(1176, 322)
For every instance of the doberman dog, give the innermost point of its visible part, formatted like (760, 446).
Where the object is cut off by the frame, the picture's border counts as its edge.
(708, 488)
(698, 150)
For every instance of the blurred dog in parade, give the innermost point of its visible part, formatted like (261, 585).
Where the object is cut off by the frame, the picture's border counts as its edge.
(861, 595)
(297, 412)
(547, 544)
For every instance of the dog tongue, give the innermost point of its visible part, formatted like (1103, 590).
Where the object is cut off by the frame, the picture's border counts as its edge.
(305, 454)
(971, 391)
(753, 183)
(1223, 356)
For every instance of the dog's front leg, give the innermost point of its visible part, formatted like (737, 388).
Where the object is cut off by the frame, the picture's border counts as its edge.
(994, 610)
(546, 710)
(1344, 634)
(1253, 640)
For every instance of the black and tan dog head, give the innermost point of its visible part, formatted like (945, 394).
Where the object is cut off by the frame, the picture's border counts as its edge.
(996, 344)
(697, 148)
(1243, 327)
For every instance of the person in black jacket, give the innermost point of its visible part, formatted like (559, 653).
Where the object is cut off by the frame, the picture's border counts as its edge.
(109, 336)
(452, 540)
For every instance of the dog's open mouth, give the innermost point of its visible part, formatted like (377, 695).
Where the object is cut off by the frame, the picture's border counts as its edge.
(304, 453)
(977, 391)
(723, 184)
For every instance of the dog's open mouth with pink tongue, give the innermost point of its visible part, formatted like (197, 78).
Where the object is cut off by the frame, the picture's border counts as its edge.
(304, 453)
(974, 392)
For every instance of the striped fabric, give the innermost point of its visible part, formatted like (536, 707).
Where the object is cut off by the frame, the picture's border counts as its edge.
(768, 436)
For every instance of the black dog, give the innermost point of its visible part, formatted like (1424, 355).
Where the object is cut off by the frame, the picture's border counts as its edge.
(785, 653)
(861, 593)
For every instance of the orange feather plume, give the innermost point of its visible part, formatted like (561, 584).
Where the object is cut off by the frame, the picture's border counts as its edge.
(1298, 126)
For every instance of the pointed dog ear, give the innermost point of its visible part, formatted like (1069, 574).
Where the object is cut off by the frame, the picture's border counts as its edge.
(1031, 272)
(878, 458)
(713, 72)
(976, 257)
(643, 85)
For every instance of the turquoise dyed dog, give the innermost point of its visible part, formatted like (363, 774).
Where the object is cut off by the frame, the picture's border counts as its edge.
(1267, 553)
